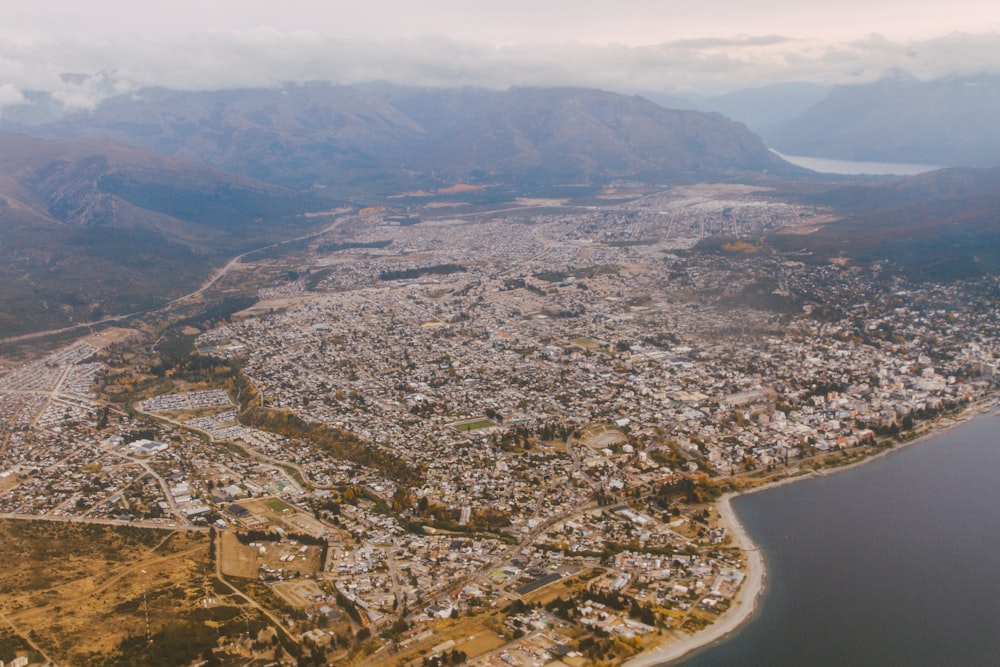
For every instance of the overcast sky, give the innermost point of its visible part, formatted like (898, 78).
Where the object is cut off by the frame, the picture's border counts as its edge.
(623, 45)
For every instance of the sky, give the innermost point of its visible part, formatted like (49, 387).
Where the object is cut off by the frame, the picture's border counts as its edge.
(663, 46)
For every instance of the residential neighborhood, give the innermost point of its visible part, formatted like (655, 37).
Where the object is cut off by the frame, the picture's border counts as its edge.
(526, 420)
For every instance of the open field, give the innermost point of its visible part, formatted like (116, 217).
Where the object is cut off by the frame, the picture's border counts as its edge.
(300, 593)
(277, 558)
(81, 593)
(236, 559)
(472, 425)
(600, 436)
(471, 636)
(286, 558)
(277, 512)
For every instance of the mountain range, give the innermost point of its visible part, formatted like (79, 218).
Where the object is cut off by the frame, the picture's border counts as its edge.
(383, 138)
(949, 121)
(118, 209)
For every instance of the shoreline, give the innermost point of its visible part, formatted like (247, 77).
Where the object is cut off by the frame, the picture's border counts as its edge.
(746, 601)
(743, 606)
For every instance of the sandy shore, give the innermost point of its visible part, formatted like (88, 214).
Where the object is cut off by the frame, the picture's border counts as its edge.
(741, 609)
(745, 602)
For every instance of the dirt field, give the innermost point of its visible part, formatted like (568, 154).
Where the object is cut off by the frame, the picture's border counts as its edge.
(299, 593)
(108, 336)
(599, 437)
(288, 557)
(468, 633)
(278, 512)
(300, 522)
(238, 560)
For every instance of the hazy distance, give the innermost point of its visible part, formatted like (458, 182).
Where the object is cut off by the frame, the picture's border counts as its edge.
(109, 46)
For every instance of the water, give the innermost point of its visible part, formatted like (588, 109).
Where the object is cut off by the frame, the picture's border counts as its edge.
(896, 562)
(849, 167)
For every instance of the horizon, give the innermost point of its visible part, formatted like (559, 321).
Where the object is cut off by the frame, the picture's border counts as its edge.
(85, 54)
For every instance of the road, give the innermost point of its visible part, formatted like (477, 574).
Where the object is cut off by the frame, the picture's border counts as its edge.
(278, 624)
(218, 275)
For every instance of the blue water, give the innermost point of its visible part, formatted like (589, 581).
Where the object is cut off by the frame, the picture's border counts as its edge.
(896, 562)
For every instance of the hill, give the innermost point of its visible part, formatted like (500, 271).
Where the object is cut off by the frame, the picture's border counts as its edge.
(90, 228)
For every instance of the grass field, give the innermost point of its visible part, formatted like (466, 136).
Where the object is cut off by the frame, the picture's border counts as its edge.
(586, 343)
(278, 505)
(472, 425)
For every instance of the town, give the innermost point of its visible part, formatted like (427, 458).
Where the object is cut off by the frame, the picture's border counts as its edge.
(496, 438)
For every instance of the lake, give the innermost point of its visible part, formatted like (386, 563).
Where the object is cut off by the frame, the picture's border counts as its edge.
(896, 562)
(852, 168)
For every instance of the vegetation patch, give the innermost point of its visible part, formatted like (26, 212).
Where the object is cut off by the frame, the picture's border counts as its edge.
(409, 274)
(472, 425)
(82, 593)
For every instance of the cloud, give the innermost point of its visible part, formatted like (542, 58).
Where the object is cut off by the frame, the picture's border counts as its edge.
(10, 96)
(267, 57)
(741, 41)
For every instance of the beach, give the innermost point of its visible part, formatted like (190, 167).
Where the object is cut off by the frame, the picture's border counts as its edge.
(741, 609)
(745, 602)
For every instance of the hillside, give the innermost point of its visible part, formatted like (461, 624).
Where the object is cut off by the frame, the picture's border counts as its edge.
(90, 228)
(576, 133)
(938, 225)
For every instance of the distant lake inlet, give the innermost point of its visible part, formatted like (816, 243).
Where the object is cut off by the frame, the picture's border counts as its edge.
(851, 168)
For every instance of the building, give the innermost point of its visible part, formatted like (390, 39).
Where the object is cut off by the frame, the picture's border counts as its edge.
(146, 447)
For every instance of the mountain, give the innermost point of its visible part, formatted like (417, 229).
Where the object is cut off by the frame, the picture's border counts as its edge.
(90, 228)
(947, 121)
(296, 135)
(670, 100)
(572, 133)
(938, 225)
(766, 108)
(387, 138)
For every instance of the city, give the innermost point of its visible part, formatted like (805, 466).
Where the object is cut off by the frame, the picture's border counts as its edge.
(496, 437)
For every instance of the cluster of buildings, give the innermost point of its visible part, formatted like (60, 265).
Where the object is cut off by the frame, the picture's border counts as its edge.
(603, 368)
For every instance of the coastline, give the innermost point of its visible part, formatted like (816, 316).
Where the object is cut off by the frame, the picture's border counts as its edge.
(746, 600)
(743, 606)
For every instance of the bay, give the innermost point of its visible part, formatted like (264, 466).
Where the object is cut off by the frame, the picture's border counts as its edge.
(895, 562)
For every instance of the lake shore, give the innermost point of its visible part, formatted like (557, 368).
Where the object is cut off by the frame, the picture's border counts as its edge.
(746, 600)
(741, 609)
